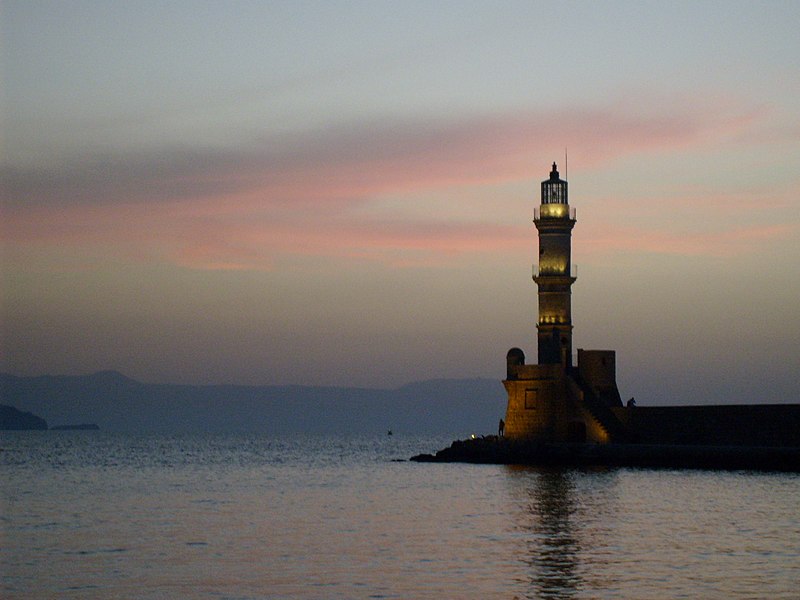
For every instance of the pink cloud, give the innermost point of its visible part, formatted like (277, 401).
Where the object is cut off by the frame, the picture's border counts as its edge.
(299, 195)
(261, 245)
(728, 243)
(237, 239)
(695, 222)
(358, 160)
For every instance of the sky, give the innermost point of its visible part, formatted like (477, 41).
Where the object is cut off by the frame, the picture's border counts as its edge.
(342, 193)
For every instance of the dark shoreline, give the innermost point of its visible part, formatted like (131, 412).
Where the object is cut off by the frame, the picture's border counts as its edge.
(495, 450)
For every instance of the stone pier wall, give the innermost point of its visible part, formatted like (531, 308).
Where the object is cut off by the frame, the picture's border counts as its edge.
(734, 425)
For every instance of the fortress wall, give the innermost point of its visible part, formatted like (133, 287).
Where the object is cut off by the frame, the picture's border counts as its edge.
(734, 425)
(538, 404)
(594, 431)
(535, 372)
(597, 368)
(531, 405)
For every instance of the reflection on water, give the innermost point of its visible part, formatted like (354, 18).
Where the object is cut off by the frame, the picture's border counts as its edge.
(555, 548)
(654, 534)
(559, 518)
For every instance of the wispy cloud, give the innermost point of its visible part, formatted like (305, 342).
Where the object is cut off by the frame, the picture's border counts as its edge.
(730, 242)
(365, 158)
(299, 193)
(214, 240)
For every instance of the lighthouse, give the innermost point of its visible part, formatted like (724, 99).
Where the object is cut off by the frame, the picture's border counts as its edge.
(555, 400)
(554, 276)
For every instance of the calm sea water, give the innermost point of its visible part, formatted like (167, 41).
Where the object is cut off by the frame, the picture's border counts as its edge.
(97, 515)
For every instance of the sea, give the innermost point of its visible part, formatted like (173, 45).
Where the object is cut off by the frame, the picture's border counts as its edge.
(93, 514)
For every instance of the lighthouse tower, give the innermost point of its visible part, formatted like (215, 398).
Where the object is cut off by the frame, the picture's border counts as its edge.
(554, 400)
(554, 220)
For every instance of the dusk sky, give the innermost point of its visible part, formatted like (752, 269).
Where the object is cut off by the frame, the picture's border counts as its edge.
(342, 193)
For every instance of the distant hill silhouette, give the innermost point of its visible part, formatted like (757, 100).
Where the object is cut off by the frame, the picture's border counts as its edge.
(117, 403)
(13, 419)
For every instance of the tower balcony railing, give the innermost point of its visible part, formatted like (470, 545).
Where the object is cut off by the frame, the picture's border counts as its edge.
(553, 211)
(537, 270)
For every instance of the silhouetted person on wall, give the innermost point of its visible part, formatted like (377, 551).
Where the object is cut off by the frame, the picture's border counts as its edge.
(501, 428)
(631, 403)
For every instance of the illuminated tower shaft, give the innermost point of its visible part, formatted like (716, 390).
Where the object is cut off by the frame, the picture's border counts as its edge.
(554, 220)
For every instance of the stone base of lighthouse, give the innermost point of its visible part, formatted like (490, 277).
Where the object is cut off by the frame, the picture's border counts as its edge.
(557, 403)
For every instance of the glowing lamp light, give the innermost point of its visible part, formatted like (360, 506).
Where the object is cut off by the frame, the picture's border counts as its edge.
(554, 210)
(552, 319)
(552, 265)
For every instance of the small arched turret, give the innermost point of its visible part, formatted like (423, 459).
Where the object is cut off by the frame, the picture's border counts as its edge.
(514, 358)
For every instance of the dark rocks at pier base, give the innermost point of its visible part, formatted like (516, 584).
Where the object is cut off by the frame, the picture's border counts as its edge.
(495, 450)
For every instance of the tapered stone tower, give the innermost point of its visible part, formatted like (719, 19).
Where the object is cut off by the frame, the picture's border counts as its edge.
(554, 276)
(554, 401)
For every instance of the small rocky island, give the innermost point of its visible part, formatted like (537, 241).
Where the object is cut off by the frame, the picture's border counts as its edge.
(12, 419)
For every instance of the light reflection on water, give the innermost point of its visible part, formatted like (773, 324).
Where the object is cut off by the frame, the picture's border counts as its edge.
(564, 522)
(93, 515)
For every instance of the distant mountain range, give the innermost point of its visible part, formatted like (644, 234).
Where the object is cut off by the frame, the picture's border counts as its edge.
(117, 403)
